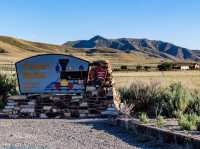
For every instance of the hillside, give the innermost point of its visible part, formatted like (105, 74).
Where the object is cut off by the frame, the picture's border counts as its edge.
(152, 48)
(128, 51)
(13, 49)
(196, 52)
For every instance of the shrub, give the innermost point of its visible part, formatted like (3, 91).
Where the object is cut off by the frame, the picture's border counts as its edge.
(144, 118)
(184, 123)
(159, 104)
(116, 69)
(193, 118)
(198, 126)
(138, 67)
(188, 121)
(194, 104)
(7, 85)
(2, 50)
(146, 68)
(160, 122)
(151, 98)
(124, 67)
(143, 96)
(126, 109)
(124, 94)
(166, 66)
(178, 99)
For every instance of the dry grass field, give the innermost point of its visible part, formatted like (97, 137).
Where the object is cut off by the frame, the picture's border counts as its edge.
(190, 79)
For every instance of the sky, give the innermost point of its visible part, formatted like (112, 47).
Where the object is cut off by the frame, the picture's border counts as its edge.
(58, 21)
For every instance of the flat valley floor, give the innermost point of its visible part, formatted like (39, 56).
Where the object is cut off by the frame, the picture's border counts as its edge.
(190, 79)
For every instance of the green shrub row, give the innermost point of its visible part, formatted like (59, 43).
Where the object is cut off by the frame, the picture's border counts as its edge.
(171, 101)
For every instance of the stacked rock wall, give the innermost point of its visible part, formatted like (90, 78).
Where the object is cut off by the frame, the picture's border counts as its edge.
(100, 95)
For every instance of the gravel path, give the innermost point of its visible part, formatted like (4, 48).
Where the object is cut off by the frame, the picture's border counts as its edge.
(69, 134)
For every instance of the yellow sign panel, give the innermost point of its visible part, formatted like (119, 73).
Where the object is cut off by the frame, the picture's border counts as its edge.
(64, 83)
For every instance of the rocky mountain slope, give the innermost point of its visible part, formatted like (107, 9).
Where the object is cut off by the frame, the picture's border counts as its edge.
(151, 47)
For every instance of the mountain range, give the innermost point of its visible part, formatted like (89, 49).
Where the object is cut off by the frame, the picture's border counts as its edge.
(153, 48)
(123, 50)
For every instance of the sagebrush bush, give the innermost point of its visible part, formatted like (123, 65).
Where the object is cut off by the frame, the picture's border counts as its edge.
(194, 104)
(126, 109)
(188, 121)
(166, 66)
(198, 126)
(143, 118)
(3, 50)
(179, 98)
(7, 85)
(144, 96)
(171, 101)
(160, 121)
(184, 123)
(124, 94)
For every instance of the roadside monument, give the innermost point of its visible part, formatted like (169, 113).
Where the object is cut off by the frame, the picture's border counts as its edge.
(62, 86)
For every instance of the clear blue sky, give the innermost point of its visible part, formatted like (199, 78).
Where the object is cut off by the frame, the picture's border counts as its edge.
(56, 21)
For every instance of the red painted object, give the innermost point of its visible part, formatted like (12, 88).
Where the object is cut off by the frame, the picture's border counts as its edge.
(57, 86)
(70, 85)
(101, 73)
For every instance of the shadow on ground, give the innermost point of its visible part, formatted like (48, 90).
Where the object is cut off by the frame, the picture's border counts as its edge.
(129, 137)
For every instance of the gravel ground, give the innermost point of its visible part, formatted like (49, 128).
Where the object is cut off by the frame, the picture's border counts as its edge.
(72, 134)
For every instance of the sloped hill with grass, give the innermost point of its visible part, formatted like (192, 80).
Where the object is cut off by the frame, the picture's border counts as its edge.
(13, 49)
